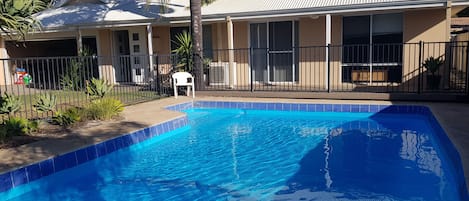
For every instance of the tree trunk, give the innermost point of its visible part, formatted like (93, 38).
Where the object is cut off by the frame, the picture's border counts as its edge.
(196, 31)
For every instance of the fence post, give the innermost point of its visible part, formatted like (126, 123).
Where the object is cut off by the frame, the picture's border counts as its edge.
(420, 78)
(252, 69)
(157, 80)
(328, 49)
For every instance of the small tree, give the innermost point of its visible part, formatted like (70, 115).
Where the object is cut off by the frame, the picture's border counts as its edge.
(184, 51)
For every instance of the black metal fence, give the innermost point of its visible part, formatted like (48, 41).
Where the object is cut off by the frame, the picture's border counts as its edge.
(387, 68)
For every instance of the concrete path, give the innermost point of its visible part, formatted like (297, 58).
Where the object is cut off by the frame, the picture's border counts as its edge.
(453, 117)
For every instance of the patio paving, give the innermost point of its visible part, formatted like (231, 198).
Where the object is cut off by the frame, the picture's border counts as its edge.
(452, 117)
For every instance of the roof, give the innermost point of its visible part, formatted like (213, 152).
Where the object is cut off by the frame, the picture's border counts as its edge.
(126, 12)
(103, 13)
(250, 8)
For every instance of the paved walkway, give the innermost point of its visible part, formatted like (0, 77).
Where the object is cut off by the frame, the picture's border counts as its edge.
(452, 116)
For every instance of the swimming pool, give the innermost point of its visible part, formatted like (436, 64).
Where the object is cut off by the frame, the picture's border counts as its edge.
(267, 151)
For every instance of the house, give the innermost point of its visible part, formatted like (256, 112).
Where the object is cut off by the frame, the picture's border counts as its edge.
(305, 44)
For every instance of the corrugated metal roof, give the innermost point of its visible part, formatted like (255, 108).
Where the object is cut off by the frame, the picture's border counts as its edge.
(128, 11)
(240, 7)
(120, 11)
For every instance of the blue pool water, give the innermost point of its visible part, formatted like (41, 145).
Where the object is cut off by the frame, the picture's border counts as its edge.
(235, 154)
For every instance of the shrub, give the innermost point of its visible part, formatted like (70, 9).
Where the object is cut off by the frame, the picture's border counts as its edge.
(104, 109)
(9, 104)
(75, 73)
(18, 126)
(45, 103)
(72, 77)
(98, 88)
(68, 117)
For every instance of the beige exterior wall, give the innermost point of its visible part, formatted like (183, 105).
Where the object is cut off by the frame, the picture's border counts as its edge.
(336, 52)
(162, 46)
(105, 51)
(241, 54)
(312, 62)
(312, 65)
(432, 29)
(161, 40)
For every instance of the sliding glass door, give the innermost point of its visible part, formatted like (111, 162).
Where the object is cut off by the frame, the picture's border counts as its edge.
(273, 51)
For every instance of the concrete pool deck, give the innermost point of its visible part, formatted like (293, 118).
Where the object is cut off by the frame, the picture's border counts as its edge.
(452, 117)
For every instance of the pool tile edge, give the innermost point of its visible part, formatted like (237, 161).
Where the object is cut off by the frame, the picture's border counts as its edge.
(31, 172)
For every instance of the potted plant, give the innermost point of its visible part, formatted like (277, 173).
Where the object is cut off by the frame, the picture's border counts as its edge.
(206, 64)
(432, 64)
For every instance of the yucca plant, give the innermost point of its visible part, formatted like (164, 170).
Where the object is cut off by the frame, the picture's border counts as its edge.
(184, 51)
(104, 109)
(9, 104)
(16, 16)
(98, 88)
(432, 65)
(45, 103)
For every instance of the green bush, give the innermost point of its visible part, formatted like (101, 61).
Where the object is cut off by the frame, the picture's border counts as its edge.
(74, 76)
(68, 117)
(18, 126)
(9, 104)
(45, 103)
(104, 109)
(98, 88)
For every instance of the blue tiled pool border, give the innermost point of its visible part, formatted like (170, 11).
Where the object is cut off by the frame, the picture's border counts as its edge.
(71, 159)
(29, 173)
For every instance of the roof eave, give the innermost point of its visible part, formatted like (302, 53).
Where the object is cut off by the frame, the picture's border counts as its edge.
(326, 10)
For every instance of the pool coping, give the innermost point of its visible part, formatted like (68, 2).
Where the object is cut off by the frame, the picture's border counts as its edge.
(29, 173)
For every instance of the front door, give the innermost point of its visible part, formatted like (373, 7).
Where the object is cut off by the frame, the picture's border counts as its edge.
(139, 62)
(123, 71)
(273, 51)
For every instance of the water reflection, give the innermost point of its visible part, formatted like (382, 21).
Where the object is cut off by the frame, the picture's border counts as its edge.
(418, 148)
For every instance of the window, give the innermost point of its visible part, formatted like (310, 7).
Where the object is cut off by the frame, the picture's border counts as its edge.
(135, 37)
(372, 43)
(136, 60)
(136, 48)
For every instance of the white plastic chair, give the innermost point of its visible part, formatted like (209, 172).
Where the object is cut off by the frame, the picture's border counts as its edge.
(183, 79)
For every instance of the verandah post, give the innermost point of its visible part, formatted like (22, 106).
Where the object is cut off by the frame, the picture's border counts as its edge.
(467, 68)
(157, 80)
(328, 49)
(252, 67)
